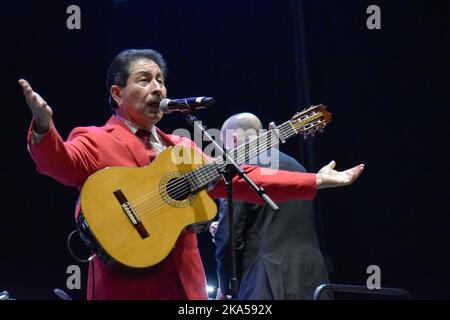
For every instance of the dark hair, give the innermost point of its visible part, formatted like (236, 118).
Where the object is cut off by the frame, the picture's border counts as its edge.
(119, 69)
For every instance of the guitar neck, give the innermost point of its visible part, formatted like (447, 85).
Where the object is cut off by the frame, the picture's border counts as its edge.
(210, 172)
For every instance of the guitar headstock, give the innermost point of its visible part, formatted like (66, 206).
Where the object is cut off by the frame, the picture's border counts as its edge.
(311, 120)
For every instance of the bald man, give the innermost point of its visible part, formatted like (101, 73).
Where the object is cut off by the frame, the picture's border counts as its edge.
(278, 255)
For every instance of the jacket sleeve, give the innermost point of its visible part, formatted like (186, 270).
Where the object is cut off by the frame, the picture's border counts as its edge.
(280, 185)
(69, 162)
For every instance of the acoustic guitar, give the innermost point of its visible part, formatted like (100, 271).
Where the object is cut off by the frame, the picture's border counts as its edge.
(133, 216)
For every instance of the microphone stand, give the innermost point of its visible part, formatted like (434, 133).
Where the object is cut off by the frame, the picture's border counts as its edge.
(231, 168)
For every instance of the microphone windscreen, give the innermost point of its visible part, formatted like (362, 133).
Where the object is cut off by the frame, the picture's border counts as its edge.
(164, 103)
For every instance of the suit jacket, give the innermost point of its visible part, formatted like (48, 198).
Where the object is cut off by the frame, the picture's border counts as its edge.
(278, 255)
(89, 149)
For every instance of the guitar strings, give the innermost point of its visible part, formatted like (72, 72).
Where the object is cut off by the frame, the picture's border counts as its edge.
(185, 187)
(196, 172)
(152, 211)
(207, 170)
(155, 204)
(233, 152)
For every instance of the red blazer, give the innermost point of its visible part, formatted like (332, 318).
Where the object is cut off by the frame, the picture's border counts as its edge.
(89, 149)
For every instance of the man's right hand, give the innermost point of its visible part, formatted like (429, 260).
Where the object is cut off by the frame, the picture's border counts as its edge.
(42, 113)
(213, 230)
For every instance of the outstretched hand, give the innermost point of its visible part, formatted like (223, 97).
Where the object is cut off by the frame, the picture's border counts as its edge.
(327, 177)
(42, 113)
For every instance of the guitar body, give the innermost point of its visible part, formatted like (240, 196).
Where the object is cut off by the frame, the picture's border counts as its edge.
(137, 214)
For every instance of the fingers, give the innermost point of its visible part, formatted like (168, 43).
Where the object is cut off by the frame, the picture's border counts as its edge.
(360, 170)
(348, 176)
(23, 83)
(26, 88)
(328, 168)
(34, 100)
(213, 230)
(37, 101)
(355, 172)
(28, 92)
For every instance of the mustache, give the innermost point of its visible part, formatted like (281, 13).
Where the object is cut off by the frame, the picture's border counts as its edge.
(154, 101)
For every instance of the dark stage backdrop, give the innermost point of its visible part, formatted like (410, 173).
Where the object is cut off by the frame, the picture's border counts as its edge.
(388, 91)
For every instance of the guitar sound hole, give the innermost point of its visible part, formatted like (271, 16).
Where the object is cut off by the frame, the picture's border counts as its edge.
(178, 189)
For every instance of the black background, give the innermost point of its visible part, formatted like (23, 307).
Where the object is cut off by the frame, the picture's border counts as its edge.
(388, 91)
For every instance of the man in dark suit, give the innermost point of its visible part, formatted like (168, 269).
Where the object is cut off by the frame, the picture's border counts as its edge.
(278, 254)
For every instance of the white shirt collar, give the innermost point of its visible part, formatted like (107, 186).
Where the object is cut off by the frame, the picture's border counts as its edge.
(132, 127)
(154, 137)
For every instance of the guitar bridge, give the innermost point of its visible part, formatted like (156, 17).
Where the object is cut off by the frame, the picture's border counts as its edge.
(131, 213)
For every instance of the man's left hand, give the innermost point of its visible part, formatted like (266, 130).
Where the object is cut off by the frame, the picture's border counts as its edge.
(327, 177)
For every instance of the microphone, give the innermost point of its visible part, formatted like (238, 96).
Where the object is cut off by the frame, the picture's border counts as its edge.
(186, 104)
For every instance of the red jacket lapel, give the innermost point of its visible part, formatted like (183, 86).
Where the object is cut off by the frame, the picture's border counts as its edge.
(120, 130)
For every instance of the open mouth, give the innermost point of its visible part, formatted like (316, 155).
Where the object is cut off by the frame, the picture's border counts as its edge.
(153, 105)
